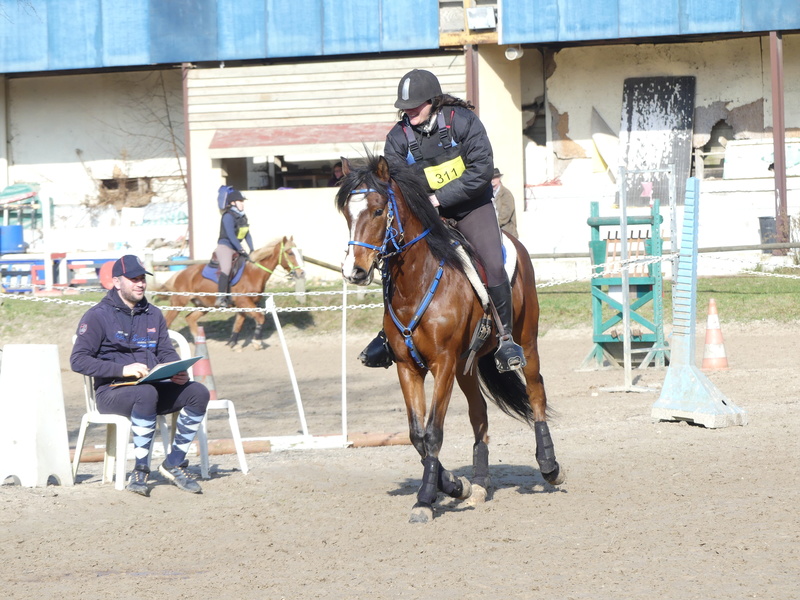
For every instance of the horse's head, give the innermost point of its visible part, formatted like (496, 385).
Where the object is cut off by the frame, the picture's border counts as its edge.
(291, 258)
(280, 252)
(366, 201)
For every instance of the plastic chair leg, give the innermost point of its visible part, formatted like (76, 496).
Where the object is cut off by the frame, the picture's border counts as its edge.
(110, 457)
(202, 446)
(237, 438)
(79, 445)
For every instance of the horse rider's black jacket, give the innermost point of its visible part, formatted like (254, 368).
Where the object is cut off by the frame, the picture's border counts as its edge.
(473, 187)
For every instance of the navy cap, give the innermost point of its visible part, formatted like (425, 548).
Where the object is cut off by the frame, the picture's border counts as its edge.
(129, 266)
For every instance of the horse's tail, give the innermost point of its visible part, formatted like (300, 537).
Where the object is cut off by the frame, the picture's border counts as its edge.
(506, 390)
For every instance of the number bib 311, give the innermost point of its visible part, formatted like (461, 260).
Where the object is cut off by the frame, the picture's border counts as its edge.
(440, 175)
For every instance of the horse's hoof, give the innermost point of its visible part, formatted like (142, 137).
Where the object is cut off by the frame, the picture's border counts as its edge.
(556, 476)
(478, 495)
(466, 488)
(421, 513)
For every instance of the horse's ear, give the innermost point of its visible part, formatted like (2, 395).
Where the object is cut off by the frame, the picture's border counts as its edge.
(382, 171)
(346, 166)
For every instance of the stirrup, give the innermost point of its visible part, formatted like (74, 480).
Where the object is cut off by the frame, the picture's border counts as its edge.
(509, 355)
(378, 353)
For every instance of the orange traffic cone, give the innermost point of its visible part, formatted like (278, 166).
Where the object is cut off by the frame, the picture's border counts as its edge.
(202, 368)
(714, 358)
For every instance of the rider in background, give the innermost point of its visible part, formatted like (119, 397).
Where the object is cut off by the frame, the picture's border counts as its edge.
(233, 229)
(447, 144)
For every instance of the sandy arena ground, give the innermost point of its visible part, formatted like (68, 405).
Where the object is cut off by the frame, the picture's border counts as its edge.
(649, 510)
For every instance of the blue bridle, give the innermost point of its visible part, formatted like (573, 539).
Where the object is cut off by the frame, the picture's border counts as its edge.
(393, 237)
(392, 245)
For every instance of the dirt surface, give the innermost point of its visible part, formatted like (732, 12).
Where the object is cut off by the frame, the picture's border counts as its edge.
(661, 510)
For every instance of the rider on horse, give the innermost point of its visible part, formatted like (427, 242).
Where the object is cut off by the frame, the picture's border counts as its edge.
(233, 229)
(446, 143)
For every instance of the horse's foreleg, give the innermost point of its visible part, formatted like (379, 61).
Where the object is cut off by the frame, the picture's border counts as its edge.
(169, 315)
(412, 383)
(258, 332)
(191, 320)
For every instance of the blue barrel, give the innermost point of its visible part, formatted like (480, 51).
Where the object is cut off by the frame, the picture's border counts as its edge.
(11, 240)
(178, 267)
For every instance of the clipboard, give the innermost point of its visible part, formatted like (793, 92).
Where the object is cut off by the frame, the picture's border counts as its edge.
(162, 371)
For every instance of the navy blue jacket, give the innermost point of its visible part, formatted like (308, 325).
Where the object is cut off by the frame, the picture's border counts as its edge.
(111, 335)
(229, 226)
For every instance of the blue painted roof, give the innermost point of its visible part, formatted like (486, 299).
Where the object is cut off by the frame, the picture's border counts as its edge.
(49, 35)
(551, 21)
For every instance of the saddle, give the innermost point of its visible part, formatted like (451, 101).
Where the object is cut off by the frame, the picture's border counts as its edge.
(476, 274)
(211, 270)
(474, 269)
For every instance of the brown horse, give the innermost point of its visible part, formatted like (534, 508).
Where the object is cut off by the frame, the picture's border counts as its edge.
(256, 273)
(431, 312)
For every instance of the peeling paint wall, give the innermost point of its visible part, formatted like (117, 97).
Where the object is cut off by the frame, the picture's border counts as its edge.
(733, 84)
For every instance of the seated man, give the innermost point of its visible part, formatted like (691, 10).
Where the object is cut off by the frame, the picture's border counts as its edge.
(120, 339)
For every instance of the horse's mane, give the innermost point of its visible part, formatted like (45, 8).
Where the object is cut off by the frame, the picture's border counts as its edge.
(441, 237)
(268, 249)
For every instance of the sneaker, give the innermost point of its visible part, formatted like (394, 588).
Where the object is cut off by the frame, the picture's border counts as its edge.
(138, 481)
(180, 476)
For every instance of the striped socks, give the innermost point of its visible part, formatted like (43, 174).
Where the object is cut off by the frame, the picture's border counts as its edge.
(143, 428)
(188, 423)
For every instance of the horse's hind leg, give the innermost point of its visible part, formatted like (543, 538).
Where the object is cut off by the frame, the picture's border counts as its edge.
(237, 328)
(479, 419)
(545, 451)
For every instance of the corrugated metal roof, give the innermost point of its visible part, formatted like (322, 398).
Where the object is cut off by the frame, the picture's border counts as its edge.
(50, 35)
(551, 21)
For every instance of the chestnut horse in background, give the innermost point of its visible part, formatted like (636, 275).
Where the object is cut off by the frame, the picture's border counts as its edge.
(257, 271)
(430, 313)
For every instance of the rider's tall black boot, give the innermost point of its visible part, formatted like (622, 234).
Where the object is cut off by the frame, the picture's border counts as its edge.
(378, 353)
(223, 300)
(509, 355)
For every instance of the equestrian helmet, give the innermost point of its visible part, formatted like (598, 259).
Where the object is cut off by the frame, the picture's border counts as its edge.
(417, 87)
(234, 196)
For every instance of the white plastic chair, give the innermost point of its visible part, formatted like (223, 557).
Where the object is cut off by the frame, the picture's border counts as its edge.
(118, 432)
(202, 434)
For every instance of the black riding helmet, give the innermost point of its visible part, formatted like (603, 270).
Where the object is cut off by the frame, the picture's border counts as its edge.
(234, 196)
(417, 87)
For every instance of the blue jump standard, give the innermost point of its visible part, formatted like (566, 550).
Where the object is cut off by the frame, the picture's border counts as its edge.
(687, 394)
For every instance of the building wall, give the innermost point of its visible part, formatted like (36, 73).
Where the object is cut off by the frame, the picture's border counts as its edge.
(50, 118)
(69, 132)
(733, 83)
(500, 111)
(323, 109)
